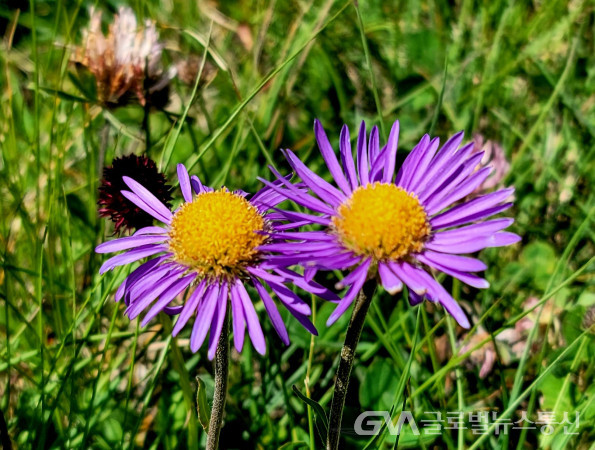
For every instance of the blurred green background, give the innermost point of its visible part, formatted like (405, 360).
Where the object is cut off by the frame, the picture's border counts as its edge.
(76, 373)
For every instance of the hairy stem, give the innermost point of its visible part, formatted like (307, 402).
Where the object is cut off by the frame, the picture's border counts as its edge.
(354, 331)
(221, 372)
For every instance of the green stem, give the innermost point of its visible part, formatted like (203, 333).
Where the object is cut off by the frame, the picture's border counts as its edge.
(354, 331)
(221, 375)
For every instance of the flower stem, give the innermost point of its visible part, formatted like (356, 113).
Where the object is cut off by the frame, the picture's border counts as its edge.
(221, 372)
(354, 331)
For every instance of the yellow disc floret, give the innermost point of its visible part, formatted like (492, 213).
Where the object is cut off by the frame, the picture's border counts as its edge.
(217, 234)
(383, 221)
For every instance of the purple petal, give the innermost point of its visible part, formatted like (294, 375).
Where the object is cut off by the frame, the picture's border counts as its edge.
(377, 167)
(340, 262)
(204, 316)
(478, 243)
(173, 310)
(254, 329)
(292, 215)
(410, 276)
(237, 315)
(184, 183)
(439, 294)
(289, 298)
(459, 192)
(444, 176)
(455, 262)
(454, 181)
(419, 171)
(470, 210)
(328, 154)
(389, 280)
(150, 230)
(151, 293)
(309, 273)
(477, 216)
(347, 157)
(304, 235)
(441, 159)
(299, 197)
(189, 308)
(150, 278)
(126, 243)
(289, 226)
(407, 168)
(308, 285)
(373, 146)
(362, 274)
(265, 192)
(320, 187)
(218, 318)
(471, 280)
(138, 273)
(144, 206)
(441, 200)
(362, 155)
(294, 246)
(131, 256)
(391, 155)
(305, 322)
(168, 295)
(146, 196)
(272, 311)
(415, 299)
(197, 185)
(353, 275)
(472, 231)
(503, 239)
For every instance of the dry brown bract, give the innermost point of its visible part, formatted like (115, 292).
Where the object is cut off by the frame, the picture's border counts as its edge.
(127, 62)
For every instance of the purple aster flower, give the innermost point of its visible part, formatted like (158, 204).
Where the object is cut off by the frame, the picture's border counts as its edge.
(399, 228)
(209, 248)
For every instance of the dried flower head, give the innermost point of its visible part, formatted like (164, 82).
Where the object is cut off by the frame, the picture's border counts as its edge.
(589, 320)
(127, 62)
(187, 70)
(494, 157)
(120, 210)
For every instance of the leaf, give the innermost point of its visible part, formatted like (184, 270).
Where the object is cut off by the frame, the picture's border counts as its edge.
(85, 83)
(202, 406)
(63, 95)
(380, 378)
(541, 257)
(318, 411)
(204, 41)
(294, 445)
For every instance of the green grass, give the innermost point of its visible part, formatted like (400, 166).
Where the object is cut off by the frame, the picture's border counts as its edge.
(75, 372)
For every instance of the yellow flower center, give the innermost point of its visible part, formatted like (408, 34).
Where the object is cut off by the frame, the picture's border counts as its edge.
(216, 234)
(383, 221)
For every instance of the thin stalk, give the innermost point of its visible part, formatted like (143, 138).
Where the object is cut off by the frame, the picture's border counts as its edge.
(354, 331)
(221, 374)
(307, 379)
(103, 143)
